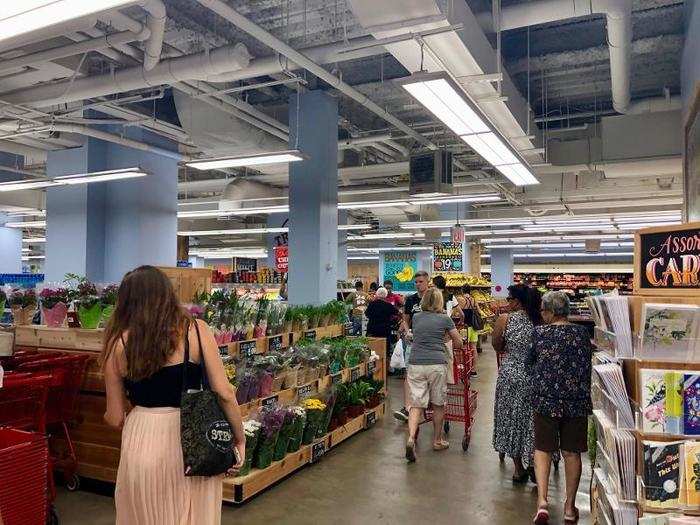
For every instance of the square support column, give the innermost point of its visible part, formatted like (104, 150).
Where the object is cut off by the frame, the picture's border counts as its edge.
(10, 248)
(313, 198)
(501, 271)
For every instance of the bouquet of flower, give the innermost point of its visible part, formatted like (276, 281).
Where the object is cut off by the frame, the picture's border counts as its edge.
(248, 388)
(285, 435)
(271, 419)
(263, 307)
(315, 412)
(275, 318)
(108, 297)
(297, 432)
(251, 429)
(54, 306)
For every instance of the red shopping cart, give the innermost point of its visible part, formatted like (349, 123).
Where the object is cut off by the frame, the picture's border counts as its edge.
(23, 401)
(67, 372)
(24, 468)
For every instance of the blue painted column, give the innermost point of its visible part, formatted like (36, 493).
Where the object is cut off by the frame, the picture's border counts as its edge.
(313, 199)
(342, 246)
(104, 229)
(10, 248)
(501, 271)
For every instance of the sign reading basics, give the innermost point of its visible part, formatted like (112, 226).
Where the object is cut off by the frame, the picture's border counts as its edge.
(304, 391)
(317, 451)
(447, 257)
(223, 351)
(667, 258)
(355, 374)
(400, 268)
(371, 419)
(269, 401)
(310, 334)
(247, 348)
(336, 378)
(274, 343)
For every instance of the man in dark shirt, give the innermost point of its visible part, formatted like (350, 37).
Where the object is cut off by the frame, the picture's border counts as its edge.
(411, 306)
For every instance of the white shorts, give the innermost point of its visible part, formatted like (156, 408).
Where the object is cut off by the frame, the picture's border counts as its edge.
(427, 384)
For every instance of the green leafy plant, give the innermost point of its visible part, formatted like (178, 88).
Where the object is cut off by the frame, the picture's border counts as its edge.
(358, 393)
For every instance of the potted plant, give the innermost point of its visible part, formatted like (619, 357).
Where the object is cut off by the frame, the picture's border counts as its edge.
(54, 306)
(108, 296)
(88, 303)
(271, 420)
(339, 415)
(297, 432)
(3, 300)
(315, 411)
(23, 305)
(358, 394)
(251, 429)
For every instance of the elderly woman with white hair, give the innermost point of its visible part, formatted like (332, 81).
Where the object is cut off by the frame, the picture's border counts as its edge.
(561, 352)
(382, 317)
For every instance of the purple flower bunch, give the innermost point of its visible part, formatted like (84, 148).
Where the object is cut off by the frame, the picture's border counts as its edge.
(109, 294)
(22, 298)
(50, 297)
(272, 418)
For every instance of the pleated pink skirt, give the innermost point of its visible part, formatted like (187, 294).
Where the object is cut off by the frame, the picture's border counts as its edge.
(151, 487)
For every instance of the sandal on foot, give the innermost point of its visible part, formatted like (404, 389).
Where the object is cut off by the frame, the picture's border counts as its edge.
(441, 445)
(411, 451)
(522, 478)
(542, 517)
(571, 519)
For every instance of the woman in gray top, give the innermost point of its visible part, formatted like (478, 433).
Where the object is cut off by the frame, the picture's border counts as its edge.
(427, 368)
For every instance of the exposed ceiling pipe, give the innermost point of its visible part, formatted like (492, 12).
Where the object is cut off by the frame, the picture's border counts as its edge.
(637, 107)
(227, 58)
(278, 45)
(91, 44)
(239, 190)
(618, 14)
(156, 23)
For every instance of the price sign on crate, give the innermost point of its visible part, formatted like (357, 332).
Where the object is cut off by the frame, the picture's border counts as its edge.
(370, 419)
(336, 378)
(304, 391)
(274, 343)
(310, 334)
(317, 451)
(348, 327)
(371, 367)
(270, 401)
(247, 348)
(223, 350)
(355, 374)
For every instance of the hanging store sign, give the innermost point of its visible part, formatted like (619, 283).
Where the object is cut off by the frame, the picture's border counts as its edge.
(447, 257)
(400, 268)
(282, 258)
(457, 233)
(667, 260)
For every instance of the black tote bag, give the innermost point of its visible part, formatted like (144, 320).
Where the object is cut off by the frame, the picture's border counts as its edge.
(206, 435)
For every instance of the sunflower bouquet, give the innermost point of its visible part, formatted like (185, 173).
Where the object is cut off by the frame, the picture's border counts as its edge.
(315, 417)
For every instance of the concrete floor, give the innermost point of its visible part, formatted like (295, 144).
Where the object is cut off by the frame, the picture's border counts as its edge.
(366, 480)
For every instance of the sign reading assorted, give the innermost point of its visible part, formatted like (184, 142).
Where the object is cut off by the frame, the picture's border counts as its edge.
(317, 451)
(274, 343)
(310, 334)
(247, 348)
(668, 258)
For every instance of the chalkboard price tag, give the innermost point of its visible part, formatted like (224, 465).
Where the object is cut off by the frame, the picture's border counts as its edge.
(371, 419)
(274, 343)
(223, 351)
(348, 328)
(317, 451)
(355, 374)
(304, 391)
(270, 401)
(336, 378)
(371, 367)
(247, 348)
(310, 334)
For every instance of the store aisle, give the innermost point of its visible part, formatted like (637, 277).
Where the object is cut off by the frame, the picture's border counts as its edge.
(367, 480)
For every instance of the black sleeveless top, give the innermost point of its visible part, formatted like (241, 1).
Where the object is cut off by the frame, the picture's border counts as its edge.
(164, 388)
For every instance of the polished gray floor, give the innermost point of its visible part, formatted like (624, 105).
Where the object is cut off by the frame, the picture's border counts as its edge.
(366, 480)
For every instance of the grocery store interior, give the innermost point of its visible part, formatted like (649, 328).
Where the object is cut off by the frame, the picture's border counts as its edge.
(281, 160)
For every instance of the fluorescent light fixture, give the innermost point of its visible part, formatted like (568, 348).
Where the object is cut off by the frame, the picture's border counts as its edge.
(392, 235)
(367, 258)
(101, 176)
(225, 253)
(274, 157)
(26, 224)
(35, 213)
(282, 208)
(28, 257)
(26, 250)
(491, 197)
(238, 231)
(569, 255)
(445, 99)
(34, 240)
(371, 204)
(18, 18)
(25, 185)
(392, 249)
(198, 214)
(350, 227)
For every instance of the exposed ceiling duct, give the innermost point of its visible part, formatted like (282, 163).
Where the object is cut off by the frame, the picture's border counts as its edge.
(239, 190)
(618, 15)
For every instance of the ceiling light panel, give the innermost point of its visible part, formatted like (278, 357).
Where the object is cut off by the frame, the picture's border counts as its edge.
(276, 157)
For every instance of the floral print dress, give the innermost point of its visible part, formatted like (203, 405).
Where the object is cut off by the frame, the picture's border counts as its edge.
(513, 432)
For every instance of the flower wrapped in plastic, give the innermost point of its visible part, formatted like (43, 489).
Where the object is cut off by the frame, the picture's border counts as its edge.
(251, 429)
(284, 435)
(315, 416)
(271, 419)
(297, 431)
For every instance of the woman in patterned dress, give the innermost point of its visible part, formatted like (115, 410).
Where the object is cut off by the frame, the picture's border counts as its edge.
(513, 431)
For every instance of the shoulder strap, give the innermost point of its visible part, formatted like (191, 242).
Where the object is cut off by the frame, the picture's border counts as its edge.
(186, 358)
(202, 364)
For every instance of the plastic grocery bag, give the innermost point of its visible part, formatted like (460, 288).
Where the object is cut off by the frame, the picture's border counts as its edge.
(397, 360)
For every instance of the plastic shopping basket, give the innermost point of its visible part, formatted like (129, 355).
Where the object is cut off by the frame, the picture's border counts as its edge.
(24, 464)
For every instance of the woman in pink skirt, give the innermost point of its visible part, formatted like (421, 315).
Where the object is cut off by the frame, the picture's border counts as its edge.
(150, 338)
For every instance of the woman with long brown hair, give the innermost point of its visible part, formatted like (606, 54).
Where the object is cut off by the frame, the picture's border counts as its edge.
(152, 346)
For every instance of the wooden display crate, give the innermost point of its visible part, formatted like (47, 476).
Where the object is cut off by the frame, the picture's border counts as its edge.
(188, 282)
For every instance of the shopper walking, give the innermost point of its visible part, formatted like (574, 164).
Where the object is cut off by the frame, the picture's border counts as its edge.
(359, 300)
(512, 334)
(427, 368)
(561, 354)
(393, 298)
(151, 348)
(382, 318)
(411, 306)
